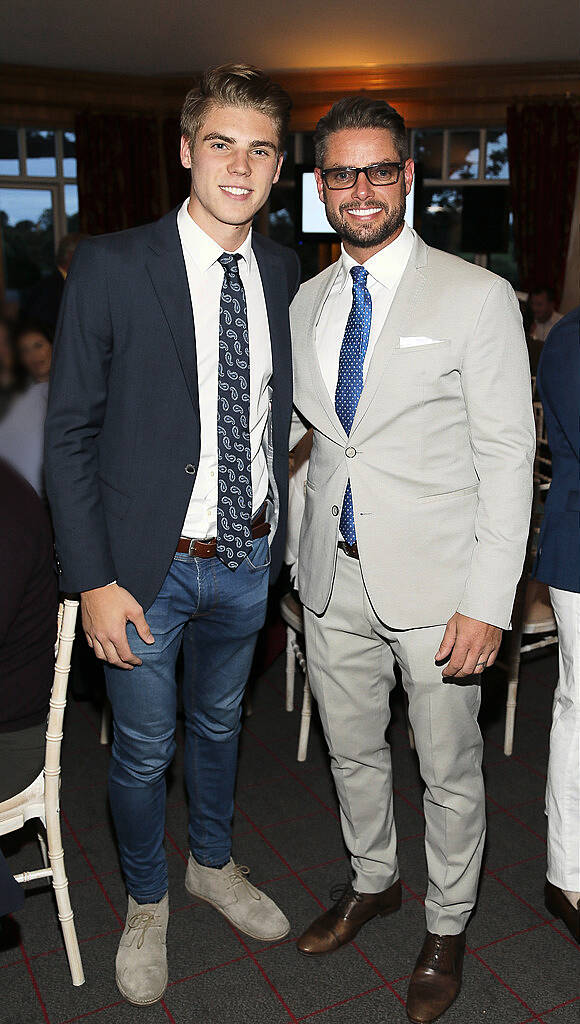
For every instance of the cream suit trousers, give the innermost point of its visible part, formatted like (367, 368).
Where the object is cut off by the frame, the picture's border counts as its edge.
(351, 656)
(563, 787)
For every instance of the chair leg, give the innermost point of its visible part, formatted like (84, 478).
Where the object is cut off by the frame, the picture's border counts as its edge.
(59, 878)
(43, 847)
(305, 720)
(65, 913)
(106, 721)
(290, 667)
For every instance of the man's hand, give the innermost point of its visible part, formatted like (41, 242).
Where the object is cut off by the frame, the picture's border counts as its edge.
(106, 612)
(473, 646)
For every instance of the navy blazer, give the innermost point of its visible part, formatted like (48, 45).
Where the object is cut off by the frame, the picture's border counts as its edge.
(558, 381)
(123, 426)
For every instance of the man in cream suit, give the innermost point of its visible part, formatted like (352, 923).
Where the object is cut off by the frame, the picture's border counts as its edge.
(411, 366)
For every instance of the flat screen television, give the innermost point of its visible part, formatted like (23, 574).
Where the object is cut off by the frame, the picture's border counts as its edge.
(311, 217)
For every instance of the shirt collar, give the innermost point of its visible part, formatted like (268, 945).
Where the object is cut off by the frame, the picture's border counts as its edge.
(386, 266)
(203, 249)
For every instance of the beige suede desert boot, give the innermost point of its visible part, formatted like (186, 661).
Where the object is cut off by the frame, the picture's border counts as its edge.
(141, 965)
(230, 892)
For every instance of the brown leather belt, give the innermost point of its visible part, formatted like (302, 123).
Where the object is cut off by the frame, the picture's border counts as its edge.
(207, 548)
(349, 549)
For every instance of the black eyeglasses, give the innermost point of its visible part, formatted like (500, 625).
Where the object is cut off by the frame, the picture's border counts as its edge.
(384, 173)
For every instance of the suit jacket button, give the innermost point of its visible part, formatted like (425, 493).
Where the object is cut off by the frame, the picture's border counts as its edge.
(335, 510)
(350, 453)
(190, 469)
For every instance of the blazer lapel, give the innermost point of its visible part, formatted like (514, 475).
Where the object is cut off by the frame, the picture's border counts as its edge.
(273, 277)
(166, 268)
(405, 302)
(319, 385)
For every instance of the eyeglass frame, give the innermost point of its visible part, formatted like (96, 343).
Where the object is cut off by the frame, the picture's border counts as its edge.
(363, 170)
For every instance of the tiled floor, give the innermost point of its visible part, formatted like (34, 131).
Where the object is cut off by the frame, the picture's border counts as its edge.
(521, 966)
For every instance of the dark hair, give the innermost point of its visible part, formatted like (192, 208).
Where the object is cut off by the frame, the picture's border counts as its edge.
(360, 112)
(66, 249)
(541, 288)
(236, 85)
(33, 327)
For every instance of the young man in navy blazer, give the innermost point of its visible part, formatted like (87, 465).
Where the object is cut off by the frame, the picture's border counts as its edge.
(167, 472)
(558, 564)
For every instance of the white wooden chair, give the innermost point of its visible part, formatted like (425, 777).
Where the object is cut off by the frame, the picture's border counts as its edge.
(294, 653)
(41, 798)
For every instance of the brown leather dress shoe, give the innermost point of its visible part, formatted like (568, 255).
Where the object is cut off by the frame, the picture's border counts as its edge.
(560, 906)
(341, 923)
(436, 980)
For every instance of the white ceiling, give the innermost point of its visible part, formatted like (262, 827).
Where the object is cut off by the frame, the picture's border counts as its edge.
(182, 36)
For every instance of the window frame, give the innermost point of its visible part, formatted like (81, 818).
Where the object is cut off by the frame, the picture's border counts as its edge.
(54, 183)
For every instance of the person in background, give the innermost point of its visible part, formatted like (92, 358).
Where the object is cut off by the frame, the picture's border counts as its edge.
(45, 298)
(543, 309)
(558, 564)
(22, 429)
(11, 373)
(28, 613)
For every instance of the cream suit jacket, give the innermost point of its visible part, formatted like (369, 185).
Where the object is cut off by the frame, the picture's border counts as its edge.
(440, 453)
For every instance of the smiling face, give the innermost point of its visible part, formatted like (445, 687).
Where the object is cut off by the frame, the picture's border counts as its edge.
(35, 353)
(234, 162)
(366, 217)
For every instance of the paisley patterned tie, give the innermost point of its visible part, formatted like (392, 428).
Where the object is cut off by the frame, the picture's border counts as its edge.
(350, 376)
(234, 503)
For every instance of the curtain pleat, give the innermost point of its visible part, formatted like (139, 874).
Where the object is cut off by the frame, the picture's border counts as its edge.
(119, 171)
(544, 149)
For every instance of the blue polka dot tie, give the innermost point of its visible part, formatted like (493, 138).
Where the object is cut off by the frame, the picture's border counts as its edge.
(234, 504)
(350, 376)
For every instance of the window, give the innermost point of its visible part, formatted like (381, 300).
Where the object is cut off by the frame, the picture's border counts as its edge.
(38, 203)
(464, 206)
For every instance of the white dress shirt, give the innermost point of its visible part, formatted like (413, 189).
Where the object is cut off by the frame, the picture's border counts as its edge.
(540, 331)
(205, 276)
(385, 270)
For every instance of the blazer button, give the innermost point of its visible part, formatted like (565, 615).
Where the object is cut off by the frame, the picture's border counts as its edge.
(190, 469)
(335, 510)
(350, 453)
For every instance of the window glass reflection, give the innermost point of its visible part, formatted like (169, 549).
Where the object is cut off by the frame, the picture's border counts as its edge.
(40, 155)
(69, 154)
(9, 151)
(463, 155)
(429, 152)
(496, 155)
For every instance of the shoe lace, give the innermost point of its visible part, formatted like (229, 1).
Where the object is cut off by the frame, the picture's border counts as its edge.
(342, 893)
(434, 952)
(239, 876)
(144, 919)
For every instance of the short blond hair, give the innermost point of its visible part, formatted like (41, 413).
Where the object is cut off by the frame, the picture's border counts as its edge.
(236, 85)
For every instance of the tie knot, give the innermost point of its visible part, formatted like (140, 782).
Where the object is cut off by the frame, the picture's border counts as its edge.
(229, 261)
(359, 276)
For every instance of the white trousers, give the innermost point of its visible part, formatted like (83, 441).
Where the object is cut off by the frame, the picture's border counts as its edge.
(563, 787)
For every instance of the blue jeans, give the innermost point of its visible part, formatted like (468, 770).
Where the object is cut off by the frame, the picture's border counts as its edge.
(218, 615)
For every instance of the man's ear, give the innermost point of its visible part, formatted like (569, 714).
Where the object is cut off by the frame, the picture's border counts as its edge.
(185, 152)
(409, 172)
(319, 183)
(278, 168)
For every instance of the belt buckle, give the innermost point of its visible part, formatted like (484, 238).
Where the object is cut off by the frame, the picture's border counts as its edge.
(192, 544)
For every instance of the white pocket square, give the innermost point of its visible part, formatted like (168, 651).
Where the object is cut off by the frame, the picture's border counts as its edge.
(412, 341)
